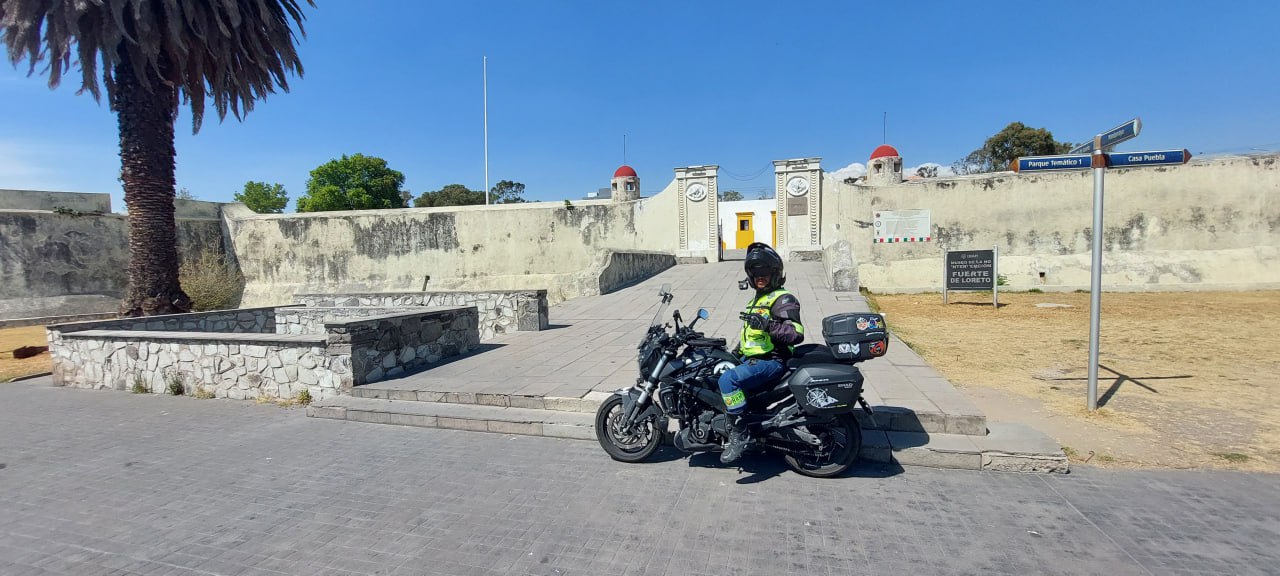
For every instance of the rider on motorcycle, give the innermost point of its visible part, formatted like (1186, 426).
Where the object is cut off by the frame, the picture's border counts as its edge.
(769, 333)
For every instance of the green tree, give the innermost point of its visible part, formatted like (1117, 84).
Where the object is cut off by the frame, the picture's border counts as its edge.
(155, 55)
(451, 195)
(355, 182)
(263, 198)
(730, 196)
(184, 194)
(1016, 139)
(507, 192)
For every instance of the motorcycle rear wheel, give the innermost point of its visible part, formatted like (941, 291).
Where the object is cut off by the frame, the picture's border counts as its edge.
(845, 437)
(622, 445)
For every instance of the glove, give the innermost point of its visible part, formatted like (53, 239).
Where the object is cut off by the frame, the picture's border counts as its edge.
(757, 321)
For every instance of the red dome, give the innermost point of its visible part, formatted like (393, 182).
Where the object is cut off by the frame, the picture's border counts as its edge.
(884, 150)
(625, 171)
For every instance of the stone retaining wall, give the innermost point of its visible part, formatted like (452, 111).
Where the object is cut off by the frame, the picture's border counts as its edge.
(388, 346)
(236, 366)
(153, 352)
(243, 320)
(312, 319)
(499, 312)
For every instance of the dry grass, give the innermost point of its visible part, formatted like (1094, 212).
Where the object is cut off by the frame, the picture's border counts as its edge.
(1186, 379)
(12, 338)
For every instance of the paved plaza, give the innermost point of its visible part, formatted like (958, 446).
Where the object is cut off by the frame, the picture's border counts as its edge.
(111, 483)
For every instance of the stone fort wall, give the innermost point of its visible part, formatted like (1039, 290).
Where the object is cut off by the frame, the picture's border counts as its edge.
(1211, 224)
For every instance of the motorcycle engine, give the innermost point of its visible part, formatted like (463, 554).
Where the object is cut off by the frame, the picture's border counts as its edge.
(701, 430)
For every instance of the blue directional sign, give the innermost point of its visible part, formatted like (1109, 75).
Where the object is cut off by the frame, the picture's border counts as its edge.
(1124, 132)
(1154, 158)
(1043, 163)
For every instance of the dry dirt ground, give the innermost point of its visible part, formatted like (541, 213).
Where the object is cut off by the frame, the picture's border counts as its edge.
(1185, 380)
(11, 338)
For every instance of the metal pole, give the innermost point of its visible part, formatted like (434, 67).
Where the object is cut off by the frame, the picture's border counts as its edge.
(995, 282)
(486, 130)
(1095, 272)
(946, 279)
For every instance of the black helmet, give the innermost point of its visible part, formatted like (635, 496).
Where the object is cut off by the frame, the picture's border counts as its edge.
(761, 261)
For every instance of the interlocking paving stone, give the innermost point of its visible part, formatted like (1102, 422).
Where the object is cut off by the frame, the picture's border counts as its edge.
(105, 482)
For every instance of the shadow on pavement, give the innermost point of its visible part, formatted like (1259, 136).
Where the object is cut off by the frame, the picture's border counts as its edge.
(760, 466)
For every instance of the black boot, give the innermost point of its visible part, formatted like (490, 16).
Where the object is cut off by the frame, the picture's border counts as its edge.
(739, 438)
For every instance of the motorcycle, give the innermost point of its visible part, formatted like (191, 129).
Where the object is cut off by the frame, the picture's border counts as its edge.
(807, 415)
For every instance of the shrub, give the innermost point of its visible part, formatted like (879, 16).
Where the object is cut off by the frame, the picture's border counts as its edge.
(176, 386)
(212, 281)
(139, 385)
(304, 397)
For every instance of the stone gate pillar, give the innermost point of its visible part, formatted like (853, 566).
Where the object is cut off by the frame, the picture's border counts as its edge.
(798, 190)
(699, 212)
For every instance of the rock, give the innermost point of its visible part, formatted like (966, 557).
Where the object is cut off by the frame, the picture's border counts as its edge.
(29, 351)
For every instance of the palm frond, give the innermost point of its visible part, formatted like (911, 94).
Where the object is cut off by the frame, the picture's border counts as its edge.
(232, 52)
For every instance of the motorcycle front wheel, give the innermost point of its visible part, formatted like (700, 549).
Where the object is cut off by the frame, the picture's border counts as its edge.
(841, 442)
(633, 445)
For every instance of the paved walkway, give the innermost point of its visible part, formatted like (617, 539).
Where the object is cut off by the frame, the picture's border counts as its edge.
(105, 482)
(592, 345)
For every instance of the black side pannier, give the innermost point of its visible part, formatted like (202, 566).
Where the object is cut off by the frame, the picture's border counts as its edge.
(826, 388)
(856, 337)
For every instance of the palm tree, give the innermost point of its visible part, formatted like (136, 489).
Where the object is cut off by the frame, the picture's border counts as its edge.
(152, 53)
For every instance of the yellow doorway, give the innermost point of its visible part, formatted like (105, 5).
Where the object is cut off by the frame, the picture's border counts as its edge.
(746, 229)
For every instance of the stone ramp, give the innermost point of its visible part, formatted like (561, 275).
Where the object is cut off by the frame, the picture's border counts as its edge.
(590, 352)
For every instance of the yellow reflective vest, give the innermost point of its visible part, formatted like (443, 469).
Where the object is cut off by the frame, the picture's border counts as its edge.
(757, 342)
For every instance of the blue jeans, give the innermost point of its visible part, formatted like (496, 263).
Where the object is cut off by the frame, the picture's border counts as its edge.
(752, 373)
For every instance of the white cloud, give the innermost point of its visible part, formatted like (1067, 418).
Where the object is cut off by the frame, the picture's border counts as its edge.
(943, 171)
(851, 171)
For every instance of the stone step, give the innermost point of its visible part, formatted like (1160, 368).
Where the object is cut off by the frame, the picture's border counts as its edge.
(1009, 447)
(480, 418)
(961, 419)
(389, 391)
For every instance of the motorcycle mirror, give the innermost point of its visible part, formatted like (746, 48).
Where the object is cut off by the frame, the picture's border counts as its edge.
(743, 285)
(703, 314)
(676, 315)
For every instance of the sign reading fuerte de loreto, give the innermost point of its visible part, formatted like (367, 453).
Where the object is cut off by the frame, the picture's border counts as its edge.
(971, 270)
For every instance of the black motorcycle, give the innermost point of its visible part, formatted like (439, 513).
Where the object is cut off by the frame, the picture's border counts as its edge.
(807, 414)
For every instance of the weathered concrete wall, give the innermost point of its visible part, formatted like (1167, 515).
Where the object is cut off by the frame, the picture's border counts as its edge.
(622, 269)
(474, 248)
(1211, 224)
(42, 200)
(58, 264)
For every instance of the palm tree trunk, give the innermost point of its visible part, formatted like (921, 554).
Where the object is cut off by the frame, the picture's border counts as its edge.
(146, 116)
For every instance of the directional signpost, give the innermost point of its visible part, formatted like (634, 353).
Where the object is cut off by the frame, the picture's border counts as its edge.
(1097, 154)
(1122, 133)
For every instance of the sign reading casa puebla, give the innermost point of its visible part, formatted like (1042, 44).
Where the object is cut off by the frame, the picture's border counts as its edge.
(1155, 158)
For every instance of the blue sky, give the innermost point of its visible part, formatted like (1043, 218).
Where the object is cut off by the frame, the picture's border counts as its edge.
(737, 84)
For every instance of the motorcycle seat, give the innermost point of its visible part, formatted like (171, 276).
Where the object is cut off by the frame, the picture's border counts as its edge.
(806, 354)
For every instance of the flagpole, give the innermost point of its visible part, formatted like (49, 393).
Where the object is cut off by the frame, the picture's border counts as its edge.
(486, 129)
